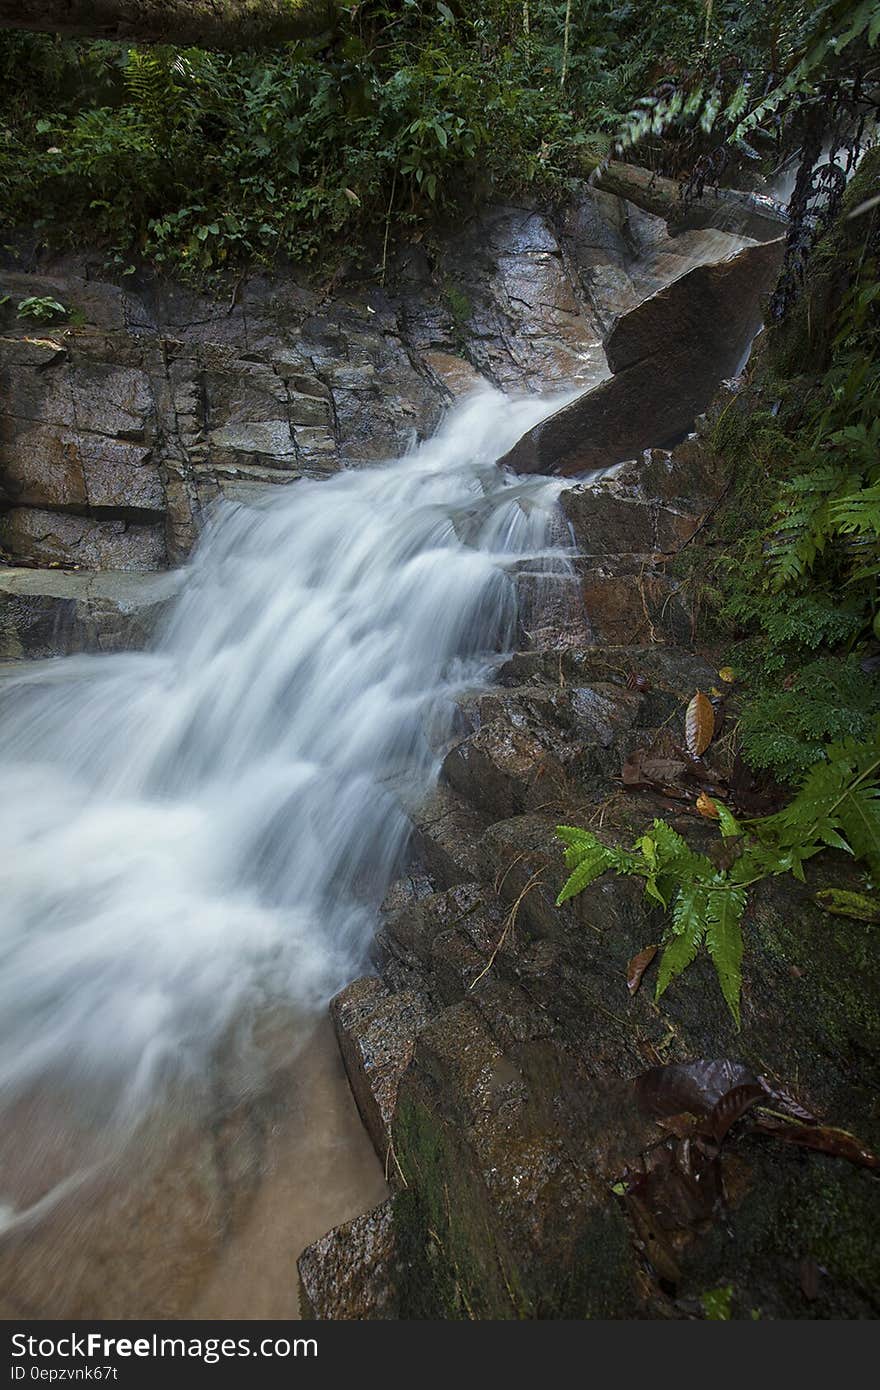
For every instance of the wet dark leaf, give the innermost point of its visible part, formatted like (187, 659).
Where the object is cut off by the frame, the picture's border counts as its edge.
(645, 769)
(782, 1100)
(652, 1237)
(823, 1139)
(693, 1086)
(637, 967)
(732, 1106)
(755, 793)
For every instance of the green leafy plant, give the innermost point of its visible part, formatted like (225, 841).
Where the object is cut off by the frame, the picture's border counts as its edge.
(837, 806)
(42, 309)
(382, 115)
(718, 1303)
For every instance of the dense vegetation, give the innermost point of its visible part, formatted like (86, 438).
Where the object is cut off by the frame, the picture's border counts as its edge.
(389, 112)
(794, 601)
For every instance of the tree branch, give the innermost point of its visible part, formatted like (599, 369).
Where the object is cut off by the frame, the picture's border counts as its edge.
(220, 24)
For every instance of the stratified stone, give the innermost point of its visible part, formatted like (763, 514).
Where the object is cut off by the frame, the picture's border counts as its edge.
(55, 613)
(376, 1031)
(36, 537)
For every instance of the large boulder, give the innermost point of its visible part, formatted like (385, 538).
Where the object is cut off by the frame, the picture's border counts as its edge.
(668, 357)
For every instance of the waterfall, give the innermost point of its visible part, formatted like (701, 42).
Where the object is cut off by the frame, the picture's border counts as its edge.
(194, 834)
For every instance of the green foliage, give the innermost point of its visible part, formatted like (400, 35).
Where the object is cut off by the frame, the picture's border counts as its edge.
(837, 805)
(799, 596)
(785, 726)
(402, 113)
(41, 308)
(718, 1303)
(755, 65)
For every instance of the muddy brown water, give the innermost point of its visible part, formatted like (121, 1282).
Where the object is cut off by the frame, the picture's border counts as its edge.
(196, 1215)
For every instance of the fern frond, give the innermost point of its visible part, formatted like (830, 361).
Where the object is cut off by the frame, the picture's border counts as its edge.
(724, 911)
(859, 814)
(689, 922)
(592, 860)
(857, 513)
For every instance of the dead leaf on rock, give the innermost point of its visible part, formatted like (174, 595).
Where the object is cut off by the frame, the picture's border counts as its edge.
(755, 793)
(693, 1086)
(637, 967)
(732, 1106)
(647, 770)
(823, 1139)
(679, 1186)
(699, 724)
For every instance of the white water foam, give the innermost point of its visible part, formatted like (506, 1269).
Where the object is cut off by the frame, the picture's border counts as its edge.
(195, 833)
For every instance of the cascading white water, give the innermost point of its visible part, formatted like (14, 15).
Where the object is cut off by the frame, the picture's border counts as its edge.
(194, 833)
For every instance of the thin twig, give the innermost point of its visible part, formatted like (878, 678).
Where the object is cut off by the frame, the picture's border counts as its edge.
(508, 926)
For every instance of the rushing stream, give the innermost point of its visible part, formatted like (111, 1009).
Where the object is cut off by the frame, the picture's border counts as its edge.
(196, 839)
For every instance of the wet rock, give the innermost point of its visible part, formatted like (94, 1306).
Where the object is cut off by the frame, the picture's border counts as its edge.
(37, 537)
(55, 613)
(353, 1272)
(550, 611)
(47, 466)
(635, 601)
(376, 1031)
(669, 356)
(446, 831)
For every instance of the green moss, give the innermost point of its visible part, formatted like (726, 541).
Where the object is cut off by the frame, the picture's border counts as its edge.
(443, 1229)
(600, 1283)
(836, 991)
(802, 1210)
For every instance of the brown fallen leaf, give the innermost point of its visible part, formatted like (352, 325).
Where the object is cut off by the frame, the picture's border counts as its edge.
(809, 1274)
(823, 1139)
(645, 769)
(755, 793)
(653, 1240)
(706, 807)
(637, 967)
(699, 724)
(694, 1086)
(683, 1126)
(732, 1106)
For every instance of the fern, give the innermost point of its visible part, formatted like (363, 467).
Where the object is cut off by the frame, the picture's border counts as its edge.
(837, 806)
(151, 87)
(786, 727)
(749, 106)
(725, 906)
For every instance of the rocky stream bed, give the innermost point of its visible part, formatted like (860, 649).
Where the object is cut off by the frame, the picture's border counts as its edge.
(493, 1053)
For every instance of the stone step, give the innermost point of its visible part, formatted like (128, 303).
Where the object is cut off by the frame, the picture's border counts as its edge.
(446, 831)
(49, 612)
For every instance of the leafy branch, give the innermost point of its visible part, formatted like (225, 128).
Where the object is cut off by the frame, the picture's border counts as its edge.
(706, 895)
